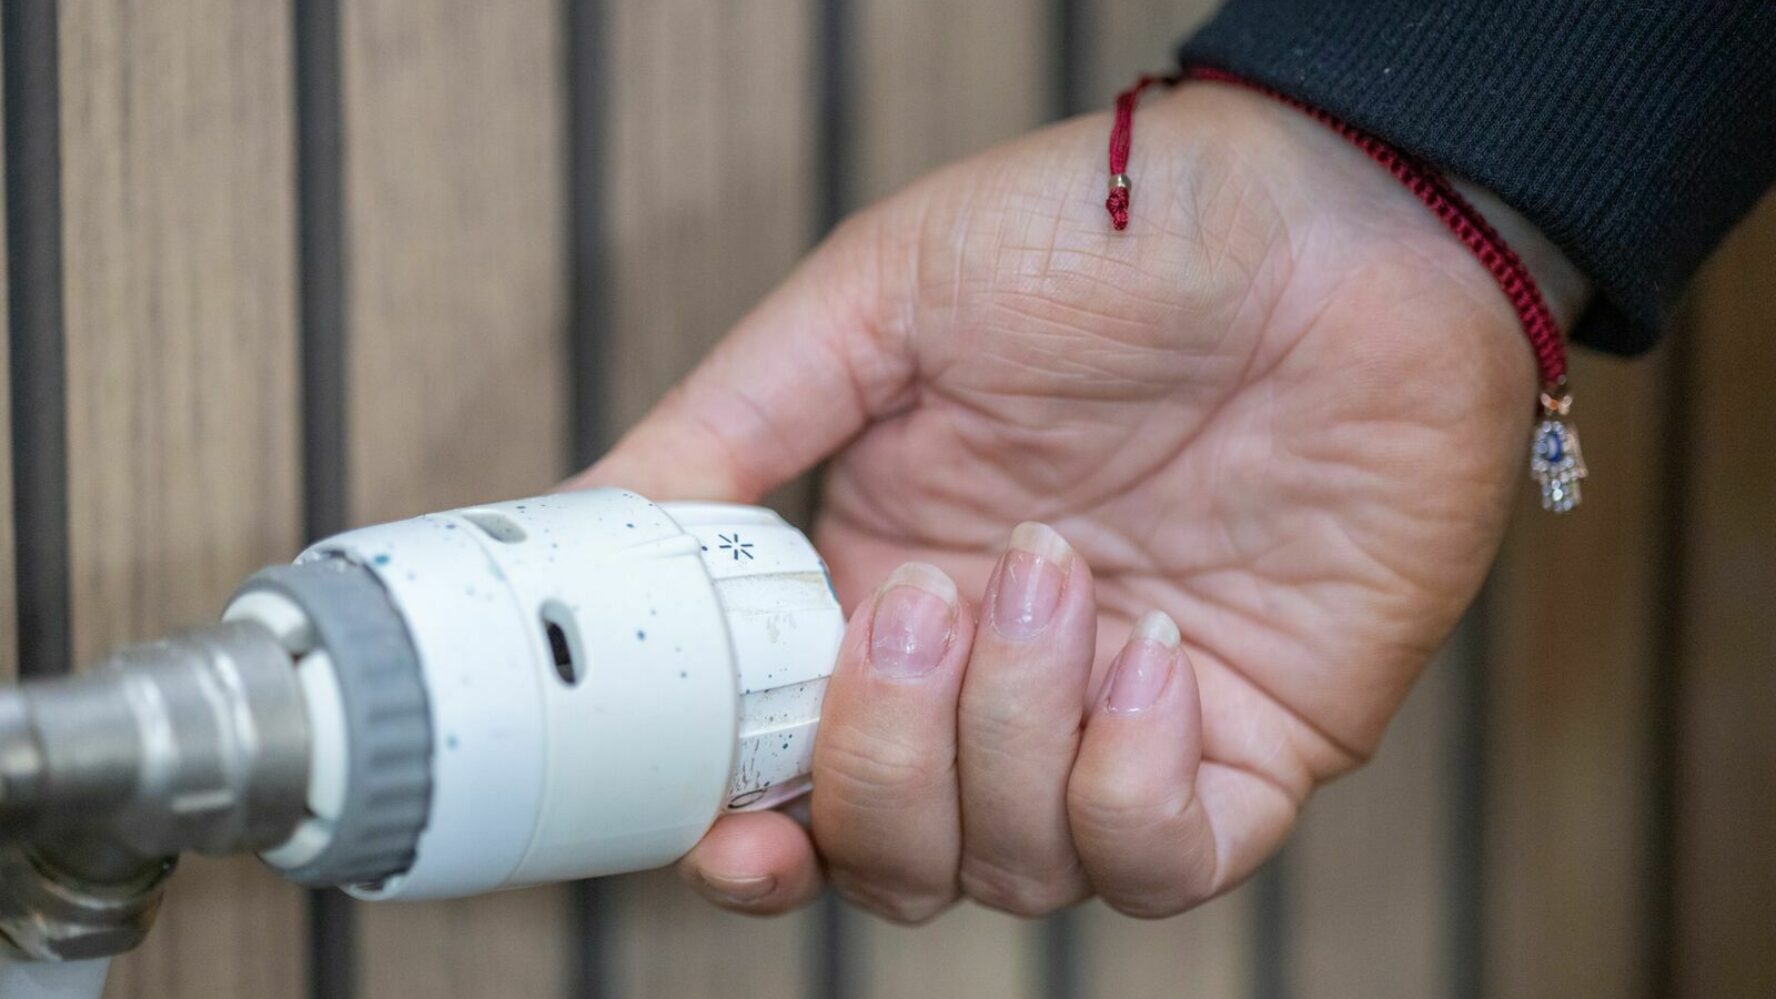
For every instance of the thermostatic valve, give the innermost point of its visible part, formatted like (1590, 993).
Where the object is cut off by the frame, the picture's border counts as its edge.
(602, 677)
(542, 690)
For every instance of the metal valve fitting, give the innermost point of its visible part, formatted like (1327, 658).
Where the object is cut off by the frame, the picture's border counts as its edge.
(196, 742)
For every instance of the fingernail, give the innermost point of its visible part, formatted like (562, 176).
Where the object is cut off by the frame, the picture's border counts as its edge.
(1144, 665)
(1031, 576)
(737, 891)
(915, 613)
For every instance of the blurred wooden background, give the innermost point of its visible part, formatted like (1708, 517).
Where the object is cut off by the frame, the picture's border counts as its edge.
(277, 267)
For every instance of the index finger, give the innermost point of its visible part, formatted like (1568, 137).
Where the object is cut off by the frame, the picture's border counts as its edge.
(886, 812)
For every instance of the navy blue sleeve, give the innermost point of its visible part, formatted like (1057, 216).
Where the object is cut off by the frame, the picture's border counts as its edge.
(1633, 134)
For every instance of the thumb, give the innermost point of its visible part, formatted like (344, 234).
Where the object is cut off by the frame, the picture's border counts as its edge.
(800, 375)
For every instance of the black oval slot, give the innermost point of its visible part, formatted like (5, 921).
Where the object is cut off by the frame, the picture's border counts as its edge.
(564, 662)
(564, 645)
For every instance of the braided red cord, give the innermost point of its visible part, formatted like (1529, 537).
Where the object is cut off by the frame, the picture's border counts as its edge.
(1122, 136)
(1459, 216)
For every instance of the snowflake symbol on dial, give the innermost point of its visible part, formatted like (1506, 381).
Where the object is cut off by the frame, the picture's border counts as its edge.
(735, 545)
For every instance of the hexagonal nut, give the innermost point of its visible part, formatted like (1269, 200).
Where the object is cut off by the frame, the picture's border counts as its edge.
(51, 917)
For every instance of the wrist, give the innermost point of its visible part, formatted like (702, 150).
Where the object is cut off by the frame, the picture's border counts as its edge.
(1504, 292)
(1564, 287)
(1544, 290)
(1514, 251)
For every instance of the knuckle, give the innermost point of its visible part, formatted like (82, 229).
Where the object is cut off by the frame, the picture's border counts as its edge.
(1122, 805)
(1017, 893)
(992, 718)
(871, 772)
(1014, 726)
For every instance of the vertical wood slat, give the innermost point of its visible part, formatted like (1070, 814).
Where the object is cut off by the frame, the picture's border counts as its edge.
(454, 247)
(1572, 652)
(1123, 38)
(1726, 751)
(935, 81)
(181, 373)
(709, 200)
(456, 299)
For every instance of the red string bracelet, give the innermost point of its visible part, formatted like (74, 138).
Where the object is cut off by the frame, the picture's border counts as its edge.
(1555, 460)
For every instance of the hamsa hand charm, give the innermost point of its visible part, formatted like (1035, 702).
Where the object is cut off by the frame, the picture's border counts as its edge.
(1556, 464)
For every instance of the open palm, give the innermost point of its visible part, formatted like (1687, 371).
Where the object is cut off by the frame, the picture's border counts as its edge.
(1283, 406)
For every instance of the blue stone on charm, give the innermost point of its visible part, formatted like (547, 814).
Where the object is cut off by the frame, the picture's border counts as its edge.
(1553, 447)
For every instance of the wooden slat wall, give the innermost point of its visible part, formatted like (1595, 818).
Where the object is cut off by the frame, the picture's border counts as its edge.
(456, 300)
(177, 223)
(1618, 648)
(710, 199)
(1726, 804)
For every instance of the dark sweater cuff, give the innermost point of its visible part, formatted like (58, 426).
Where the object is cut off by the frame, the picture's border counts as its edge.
(1633, 135)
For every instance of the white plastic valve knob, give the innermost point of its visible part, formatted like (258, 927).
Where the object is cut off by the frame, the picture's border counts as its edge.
(604, 675)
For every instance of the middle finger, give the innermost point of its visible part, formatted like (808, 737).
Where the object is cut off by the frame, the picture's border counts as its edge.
(1018, 729)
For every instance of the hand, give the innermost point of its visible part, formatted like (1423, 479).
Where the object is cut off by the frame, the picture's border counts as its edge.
(1285, 409)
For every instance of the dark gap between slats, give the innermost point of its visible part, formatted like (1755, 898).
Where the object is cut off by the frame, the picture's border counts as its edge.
(321, 325)
(588, 243)
(1069, 27)
(588, 366)
(832, 965)
(588, 946)
(833, 102)
(1271, 929)
(35, 337)
(1061, 962)
(320, 199)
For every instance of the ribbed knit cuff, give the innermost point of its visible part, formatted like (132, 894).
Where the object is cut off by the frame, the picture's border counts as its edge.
(1633, 135)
